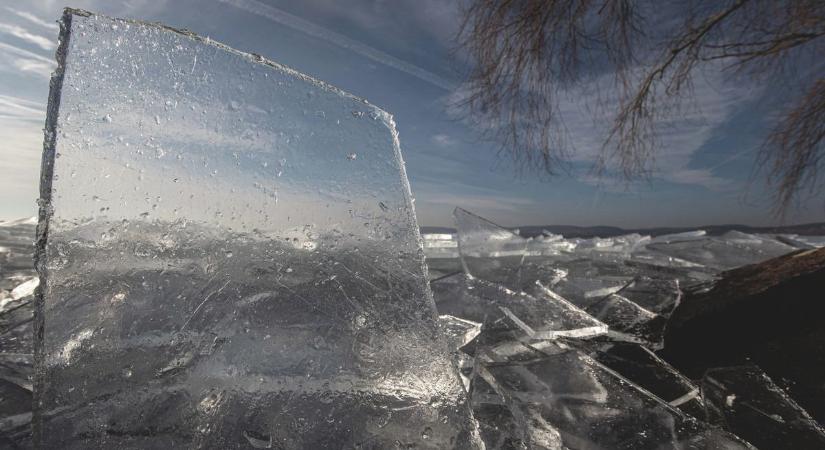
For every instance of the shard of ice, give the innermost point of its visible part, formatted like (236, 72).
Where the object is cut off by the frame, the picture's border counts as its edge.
(229, 257)
(644, 368)
(566, 393)
(723, 252)
(658, 295)
(744, 400)
(626, 320)
(489, 251)
(495, 306)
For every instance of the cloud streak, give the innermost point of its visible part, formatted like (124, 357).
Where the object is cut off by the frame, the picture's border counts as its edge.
(33, 19)
(22, 109)
(290, 20)
(26, 61)
(25, 35)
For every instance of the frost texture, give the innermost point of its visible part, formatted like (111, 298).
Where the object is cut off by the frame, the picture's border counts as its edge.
(230, 258)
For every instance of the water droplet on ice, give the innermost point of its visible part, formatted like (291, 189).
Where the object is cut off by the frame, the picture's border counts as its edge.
(234, 106)
(352, 156)
(157, 120)
(427, 432)
(360, 321)
(107, 118)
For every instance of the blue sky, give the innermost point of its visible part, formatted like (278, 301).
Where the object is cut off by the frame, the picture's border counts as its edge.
(399, 55)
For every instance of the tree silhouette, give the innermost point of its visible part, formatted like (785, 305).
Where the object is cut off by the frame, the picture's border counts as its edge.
(526, 52)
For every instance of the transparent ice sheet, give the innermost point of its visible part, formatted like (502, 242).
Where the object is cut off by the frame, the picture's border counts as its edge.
(489, 251)
(536, 317)
(230, 257)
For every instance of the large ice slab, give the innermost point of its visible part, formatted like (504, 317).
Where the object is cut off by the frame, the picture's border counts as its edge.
(229, 258)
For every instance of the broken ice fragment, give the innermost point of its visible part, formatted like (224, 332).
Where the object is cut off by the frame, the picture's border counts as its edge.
(458, 331)
(643, 367)
(653, 294)
(25, 289)
(240, 320)
(498, 307)
(590, 406)
(489, 251)
(746, 402)
(626, 321)
(725, 252)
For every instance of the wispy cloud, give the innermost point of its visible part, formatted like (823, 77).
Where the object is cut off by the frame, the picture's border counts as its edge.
(290, 20)
(437, 202)
(585, 112)
(21, 109)
(33, 19)
(26, 61)
(701, 177)
(19, 158)
(24, 34)
(443, 140)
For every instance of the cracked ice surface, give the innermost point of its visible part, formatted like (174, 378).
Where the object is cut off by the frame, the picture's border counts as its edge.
(745, 401)
(494, 306)
(562, 398)
(230, 257)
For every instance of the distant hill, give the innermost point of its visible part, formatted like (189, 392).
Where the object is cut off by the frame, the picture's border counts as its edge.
(573, 231)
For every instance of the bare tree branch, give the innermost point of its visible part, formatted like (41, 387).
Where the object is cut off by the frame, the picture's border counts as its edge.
(527, 52)
(794, 152)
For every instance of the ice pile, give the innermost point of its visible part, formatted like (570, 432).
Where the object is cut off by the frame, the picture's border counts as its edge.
(230, 258)
(559, 335)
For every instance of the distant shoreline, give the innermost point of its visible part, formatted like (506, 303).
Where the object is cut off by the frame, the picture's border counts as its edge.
(573, 231)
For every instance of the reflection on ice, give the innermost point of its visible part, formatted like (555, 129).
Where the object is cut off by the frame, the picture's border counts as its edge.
(219, 270)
